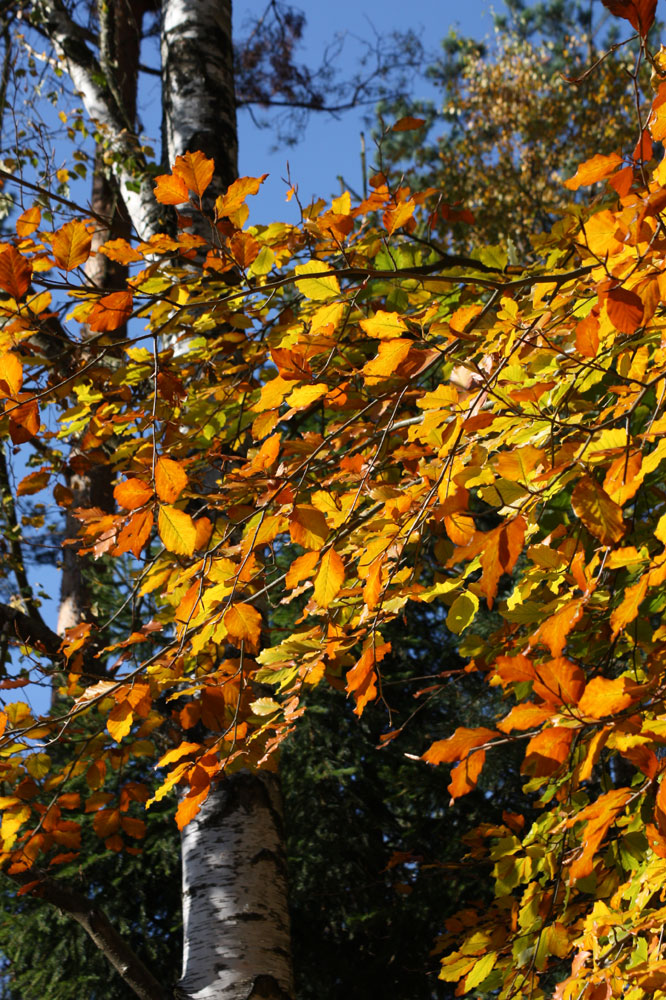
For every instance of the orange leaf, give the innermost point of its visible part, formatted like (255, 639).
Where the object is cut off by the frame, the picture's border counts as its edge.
(625, 310)
(547, 751)
(243, 623)
(601, 516)
(301, 569)
(396, 216)
(28, 221)
(361, 679)
(106, 822)
(71, 245)
(11, 374)
(627, 611)
(111, 311)
(559, 681)
(177, 531)
(15, 273)
(308, 527)
(329, 579)
(373, 584)
(234, 198)
(525, 716)
(554, 631)
(391, 354)
(407, 123)
(120, 251)
(171, 190)
(195, 170)
(170, 479)
(189, 806)
(23, 419)
(458, 746)
(513, 669)
(132, 493)
(595, 169)
(500, 554)
(135, 534)
(604, 697)
(460, 527)
(465, 774)
(599, 815)
(587, 337)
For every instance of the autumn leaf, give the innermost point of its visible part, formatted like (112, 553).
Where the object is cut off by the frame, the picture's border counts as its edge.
(362, 678)
(177, 530)
(373, 584)
(554, 631)
(15, 273)
(301, 569)
(639, 13)
(625, 310)
(547, 751)
(391, 353)
(407, 123)
(458, 746)
(11, 373)
(234, 198)
(195, 170)
(462, 612)
(111, 311)
(71, 245)
(597, 168)
(308, 527)
(315, 280)
(243, 624)
(559, 681)
(525, 716)
(28, 221)
(396, 216)
(135, 534)
(132, 493)
(604, 697)
(171, 190)
(170, 479)
(627, 609)
(464, 776)
(329, 579)
(383, 325)
(601, 516)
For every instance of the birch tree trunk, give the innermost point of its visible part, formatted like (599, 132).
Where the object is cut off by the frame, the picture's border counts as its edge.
(236, 923)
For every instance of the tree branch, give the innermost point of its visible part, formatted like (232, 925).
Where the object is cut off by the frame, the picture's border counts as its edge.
(97, 925)
(31, 630)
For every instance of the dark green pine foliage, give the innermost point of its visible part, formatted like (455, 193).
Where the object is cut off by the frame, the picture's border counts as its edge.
(377, 854)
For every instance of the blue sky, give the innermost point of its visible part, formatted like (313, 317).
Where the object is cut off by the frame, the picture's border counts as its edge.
(330, 146)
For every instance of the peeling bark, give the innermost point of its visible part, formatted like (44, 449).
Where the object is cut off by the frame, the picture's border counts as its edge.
(235, 916)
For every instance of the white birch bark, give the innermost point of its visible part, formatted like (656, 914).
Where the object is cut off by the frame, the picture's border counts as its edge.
(127, 162)
(236, 924)
(198, 95)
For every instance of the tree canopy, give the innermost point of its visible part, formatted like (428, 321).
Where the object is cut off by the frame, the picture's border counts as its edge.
(342, 418)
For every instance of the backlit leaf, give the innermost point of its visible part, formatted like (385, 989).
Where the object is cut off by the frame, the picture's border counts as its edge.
(601, 516)
(111, 311)
(15, 272)
(71, 245)
(458, 746)
(171, 190)
(170, 479)
(329, 579)
(597, 168)
(195, 170)
(28, 221)
(324, 286)
(625, 310)
(604, 697)
(461, 613)
(177, 531)
(243, 624)
(132, 493)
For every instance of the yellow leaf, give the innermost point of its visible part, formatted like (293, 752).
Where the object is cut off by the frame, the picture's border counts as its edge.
(318, 288)
(627, 610)
(177, 531)
(119, 721)
(373, 584)
(383, 325)
(170, 479)
(243, 624)
(461, 613)
(329, 578)
(305, 395)
(71, 245)
(391, 354)
(28, 221)
(396, 216)
(11, 374)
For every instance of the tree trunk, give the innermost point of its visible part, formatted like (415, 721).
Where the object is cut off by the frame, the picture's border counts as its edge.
(236, 922)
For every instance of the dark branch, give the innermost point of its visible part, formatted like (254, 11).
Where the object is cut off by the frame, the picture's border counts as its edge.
(30, 630)
(97, 925)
